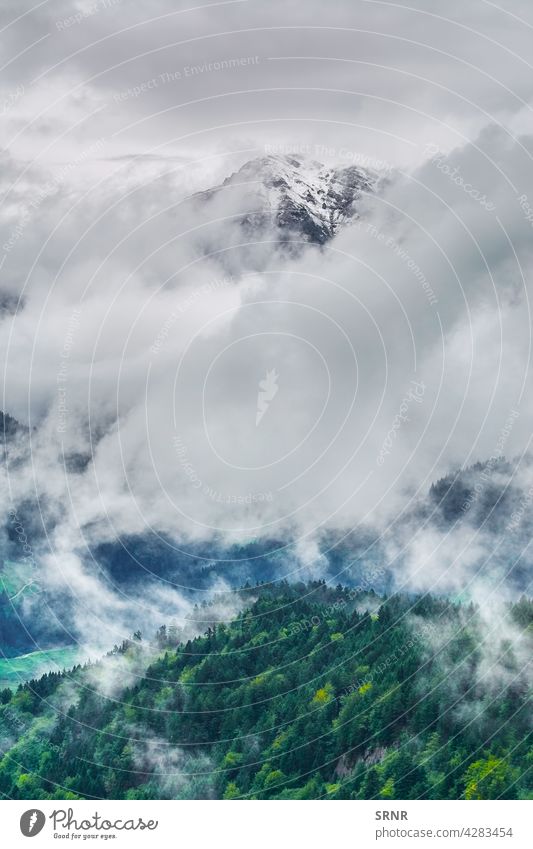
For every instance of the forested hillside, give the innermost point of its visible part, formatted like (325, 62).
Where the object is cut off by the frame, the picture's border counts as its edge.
(311, 692)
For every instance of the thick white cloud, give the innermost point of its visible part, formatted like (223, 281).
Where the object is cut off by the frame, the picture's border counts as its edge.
(398, 349)
(139, 316)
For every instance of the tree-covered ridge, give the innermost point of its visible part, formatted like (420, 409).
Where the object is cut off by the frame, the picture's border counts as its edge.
(311, 692)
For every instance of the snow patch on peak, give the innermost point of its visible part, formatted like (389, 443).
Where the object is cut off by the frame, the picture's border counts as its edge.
(305, 199)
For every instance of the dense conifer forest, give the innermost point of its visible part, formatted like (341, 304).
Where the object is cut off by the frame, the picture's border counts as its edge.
(311, 692)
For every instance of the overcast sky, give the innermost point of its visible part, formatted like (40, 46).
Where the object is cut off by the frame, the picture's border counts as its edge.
(378, 77)
(114, 112)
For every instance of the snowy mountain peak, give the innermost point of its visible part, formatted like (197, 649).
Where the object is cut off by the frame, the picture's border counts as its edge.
(304, 198)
